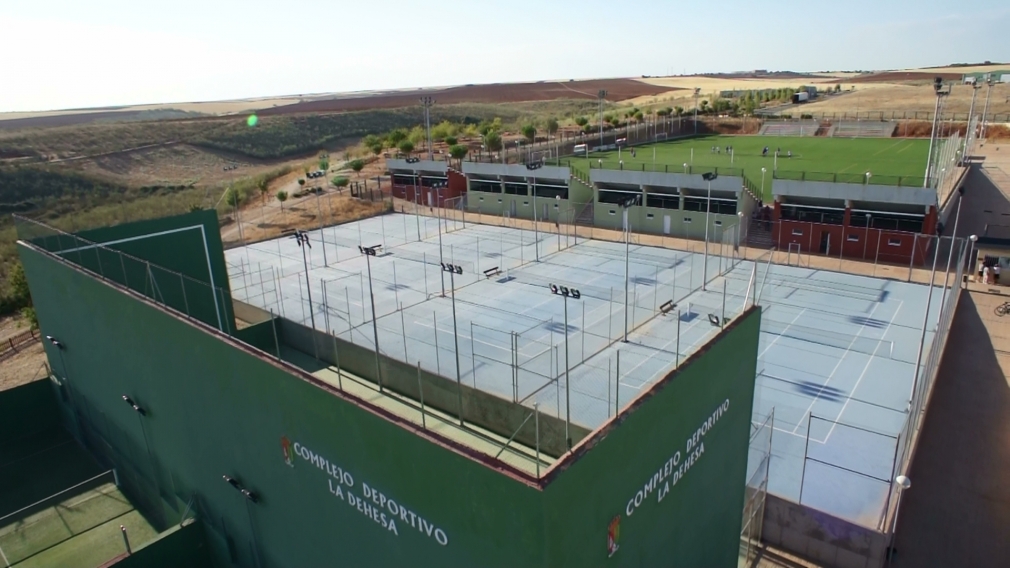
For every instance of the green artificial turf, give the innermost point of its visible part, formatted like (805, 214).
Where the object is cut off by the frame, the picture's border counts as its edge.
(891, 161)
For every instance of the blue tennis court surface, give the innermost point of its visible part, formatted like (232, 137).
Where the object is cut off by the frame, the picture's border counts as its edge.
(834, 346)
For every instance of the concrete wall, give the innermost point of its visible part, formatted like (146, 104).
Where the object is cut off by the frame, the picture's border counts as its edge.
(660, 179)
(498, 203)
(517, 170)
(610, 216)
(481, 408)
(854, 192)
(832, 542)
(425, 166)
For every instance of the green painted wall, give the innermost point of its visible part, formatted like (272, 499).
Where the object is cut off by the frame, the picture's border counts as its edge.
(688, 519)
(28, 408)
(179, 546)
(215, 408)
(189, 244)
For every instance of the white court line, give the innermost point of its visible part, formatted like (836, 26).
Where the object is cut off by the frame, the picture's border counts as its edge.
(852, 393)
(779, 336)
(837, 365)
(655, 352)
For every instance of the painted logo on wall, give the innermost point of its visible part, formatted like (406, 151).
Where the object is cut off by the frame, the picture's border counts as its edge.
(613, 535)
(289, 452)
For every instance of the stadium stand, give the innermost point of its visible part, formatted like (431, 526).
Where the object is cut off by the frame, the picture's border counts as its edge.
(805, 128)
(863, 129)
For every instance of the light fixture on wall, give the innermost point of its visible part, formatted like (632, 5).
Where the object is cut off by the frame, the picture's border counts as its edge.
(134, 405)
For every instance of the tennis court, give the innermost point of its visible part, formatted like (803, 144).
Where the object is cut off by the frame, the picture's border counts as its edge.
(837, 347)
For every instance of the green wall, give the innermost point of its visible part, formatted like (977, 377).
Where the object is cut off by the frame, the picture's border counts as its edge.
(697, 521)
(215, 408)
(189, 244)
(177, 547)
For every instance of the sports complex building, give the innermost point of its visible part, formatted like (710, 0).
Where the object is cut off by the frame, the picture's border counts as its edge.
(510, 379)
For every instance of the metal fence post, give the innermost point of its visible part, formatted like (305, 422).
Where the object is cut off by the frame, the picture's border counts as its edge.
(806, 447)
(420, 395)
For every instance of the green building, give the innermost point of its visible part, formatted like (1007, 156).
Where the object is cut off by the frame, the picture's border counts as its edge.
(295, 448)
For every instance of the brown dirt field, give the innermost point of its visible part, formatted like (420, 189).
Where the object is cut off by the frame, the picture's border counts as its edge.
(27, 366)
(894, 76)
(179, 164)
(617, 90)
(264, 219)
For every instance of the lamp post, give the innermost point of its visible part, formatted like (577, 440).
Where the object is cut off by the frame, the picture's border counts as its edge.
(685, 167)
(763, 170)
(902, 483)
(302, 238)
(970, 135)
(971, 251)
(438, 189)
(866, 238)
(574, 294)
(985, 111)
(453, 270)
(369, 252)
(708, 176)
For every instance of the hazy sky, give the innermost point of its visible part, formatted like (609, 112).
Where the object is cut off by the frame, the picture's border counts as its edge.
(74, 53)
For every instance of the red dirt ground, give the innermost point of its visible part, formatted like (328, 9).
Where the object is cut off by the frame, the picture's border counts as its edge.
(892, 76)
(617, 90)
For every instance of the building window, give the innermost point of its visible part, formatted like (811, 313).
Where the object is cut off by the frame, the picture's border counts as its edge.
(526, 203)
(894, 242)
(797, 232)
(612, 212)
(718, 223)
(482, 199)
(499, 200)
(649, 215)
(687, 219)
(555, 205)
(852, 238)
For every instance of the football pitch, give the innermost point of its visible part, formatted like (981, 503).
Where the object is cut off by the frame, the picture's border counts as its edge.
(885, 158)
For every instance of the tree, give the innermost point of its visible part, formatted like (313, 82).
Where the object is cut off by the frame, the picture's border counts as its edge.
(662, 112)
(376, 149)
(581, 121)
(458, 151)
(588, 128)
(396, 136)
(406, 146)
(451, 140)
(838, 88)
(17, 285)
(529, 132)
(282, 196)
(679, 110)
(552, 126)
(370, 140)
(233, 197)
(493, 142)
(324, 164)
(341, 181)
(263, 185)
(301, 182)
(639, 117)
(357, 166)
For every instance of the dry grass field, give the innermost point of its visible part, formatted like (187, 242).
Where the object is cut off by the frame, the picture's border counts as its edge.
(908, 98)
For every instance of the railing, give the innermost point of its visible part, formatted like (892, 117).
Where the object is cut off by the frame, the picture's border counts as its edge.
(10, 345)
(856, 178)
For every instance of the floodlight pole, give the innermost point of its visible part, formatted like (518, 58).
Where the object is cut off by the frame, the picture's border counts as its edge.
(938, 87)
(708, 211)
(601, 95)
(375, 325)
(568, 382)
(455, 337)
(440, 260)
(426, 102)
(696, 91)
(985, 109)
(627, 265)
(970, 135)
(303, 239)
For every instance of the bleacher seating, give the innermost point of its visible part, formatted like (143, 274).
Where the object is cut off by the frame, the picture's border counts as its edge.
(863, 129)
(802, 128)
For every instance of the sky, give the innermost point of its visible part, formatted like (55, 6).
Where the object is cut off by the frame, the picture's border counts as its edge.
(61, 54)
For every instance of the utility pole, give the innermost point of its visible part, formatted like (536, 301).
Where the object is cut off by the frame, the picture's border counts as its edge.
(601, 94)
(426, 102)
